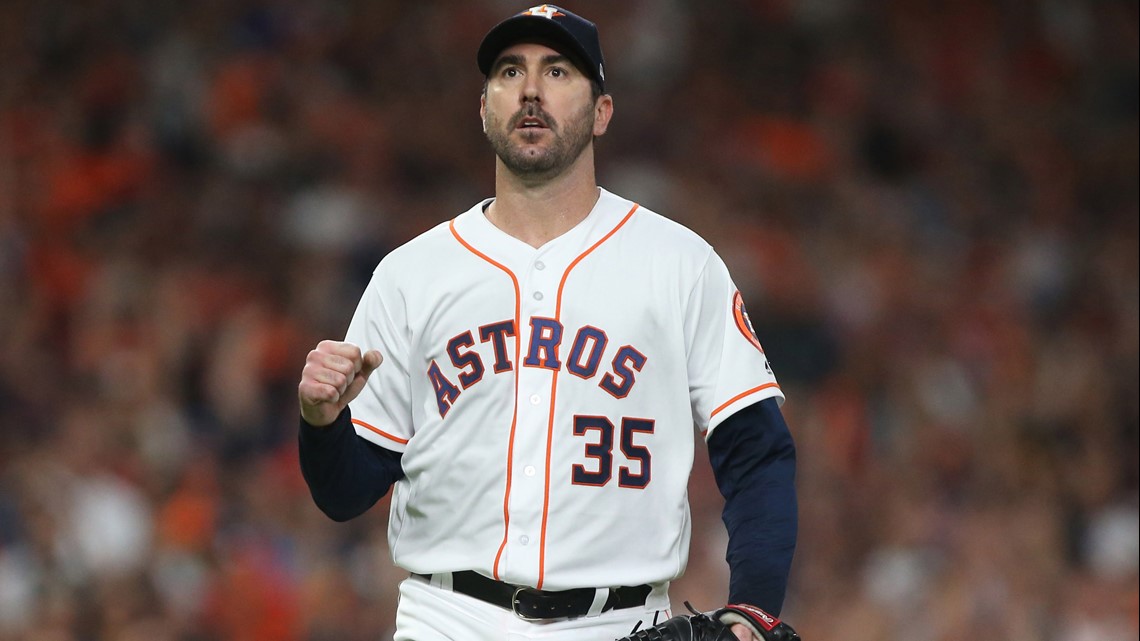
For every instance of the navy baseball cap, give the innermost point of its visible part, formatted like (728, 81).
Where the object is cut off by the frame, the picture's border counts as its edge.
(577, 36)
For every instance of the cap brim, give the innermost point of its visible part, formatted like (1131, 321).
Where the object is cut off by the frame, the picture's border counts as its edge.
(530, 28)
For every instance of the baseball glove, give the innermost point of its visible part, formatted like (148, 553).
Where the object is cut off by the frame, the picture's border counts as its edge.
(716, 626)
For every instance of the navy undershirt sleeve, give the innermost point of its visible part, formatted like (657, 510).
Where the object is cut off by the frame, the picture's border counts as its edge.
(754, 462)
(346, 474)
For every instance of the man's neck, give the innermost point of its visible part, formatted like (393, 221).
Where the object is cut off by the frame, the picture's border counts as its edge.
(537, 213)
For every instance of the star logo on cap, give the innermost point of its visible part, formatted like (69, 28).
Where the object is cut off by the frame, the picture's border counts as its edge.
(547, 11)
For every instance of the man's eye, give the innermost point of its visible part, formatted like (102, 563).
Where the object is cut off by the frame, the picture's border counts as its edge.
(510, 72)
(557, 72)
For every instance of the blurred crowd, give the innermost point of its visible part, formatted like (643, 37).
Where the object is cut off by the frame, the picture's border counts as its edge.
(930, 207)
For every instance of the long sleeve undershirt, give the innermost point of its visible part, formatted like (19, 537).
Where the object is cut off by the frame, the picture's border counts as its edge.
(345, 473)
(754, 462)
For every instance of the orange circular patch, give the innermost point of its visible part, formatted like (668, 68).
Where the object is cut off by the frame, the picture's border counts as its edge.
(743, 323)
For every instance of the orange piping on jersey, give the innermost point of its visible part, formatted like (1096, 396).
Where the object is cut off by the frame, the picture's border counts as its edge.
(401, 441)
(742, 395)
(515, 414)
(553, 396)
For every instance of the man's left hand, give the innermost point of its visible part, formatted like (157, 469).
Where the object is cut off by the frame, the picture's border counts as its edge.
(743, 633)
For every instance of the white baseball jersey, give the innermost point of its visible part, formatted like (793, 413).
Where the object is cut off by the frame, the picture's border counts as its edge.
(545, 399)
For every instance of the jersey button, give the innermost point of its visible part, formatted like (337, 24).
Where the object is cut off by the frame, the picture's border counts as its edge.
(538, 295)
(524, 539)
(529, 470)
(539, 265)
(535, 399)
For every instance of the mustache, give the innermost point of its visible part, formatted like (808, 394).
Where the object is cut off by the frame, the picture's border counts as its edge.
(532, 111)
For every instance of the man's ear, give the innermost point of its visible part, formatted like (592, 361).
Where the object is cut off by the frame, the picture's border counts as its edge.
(603, 112)
(483, 111)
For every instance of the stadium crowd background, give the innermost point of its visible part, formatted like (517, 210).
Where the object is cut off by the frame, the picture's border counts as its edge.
(931, 208)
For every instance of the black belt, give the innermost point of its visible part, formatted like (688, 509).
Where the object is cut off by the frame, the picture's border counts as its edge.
(529, 603)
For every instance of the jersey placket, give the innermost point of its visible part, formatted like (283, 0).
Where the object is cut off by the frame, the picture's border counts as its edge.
(534, 404)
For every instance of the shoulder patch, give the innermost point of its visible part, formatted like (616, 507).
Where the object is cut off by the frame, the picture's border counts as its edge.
(743, 323)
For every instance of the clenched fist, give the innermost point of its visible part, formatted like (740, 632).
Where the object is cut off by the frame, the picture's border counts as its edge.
(334, 374)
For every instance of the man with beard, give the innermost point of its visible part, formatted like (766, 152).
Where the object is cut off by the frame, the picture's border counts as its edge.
(529, 376)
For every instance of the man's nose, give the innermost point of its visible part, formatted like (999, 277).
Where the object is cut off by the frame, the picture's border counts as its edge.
(531, 90)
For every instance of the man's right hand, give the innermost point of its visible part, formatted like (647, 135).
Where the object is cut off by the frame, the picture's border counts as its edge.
(334, 374)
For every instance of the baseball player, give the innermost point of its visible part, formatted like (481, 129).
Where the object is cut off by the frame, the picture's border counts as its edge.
(527, 376)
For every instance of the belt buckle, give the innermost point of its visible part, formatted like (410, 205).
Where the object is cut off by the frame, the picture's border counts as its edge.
(515, 605)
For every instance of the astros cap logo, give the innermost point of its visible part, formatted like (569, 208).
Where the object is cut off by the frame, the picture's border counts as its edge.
(548, 11)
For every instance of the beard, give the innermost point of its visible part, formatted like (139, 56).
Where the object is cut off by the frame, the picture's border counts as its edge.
(568, 142)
